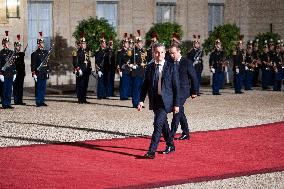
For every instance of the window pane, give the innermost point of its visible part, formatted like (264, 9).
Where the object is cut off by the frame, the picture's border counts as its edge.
(215, 16)
(165, 12)
(12, 8)
(108, 10)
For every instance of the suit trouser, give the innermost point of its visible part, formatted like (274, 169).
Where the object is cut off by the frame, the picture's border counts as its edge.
(136, 88)
(7, 92)
(160, 126)
(18, 89)
(40, 91)
(180, 118)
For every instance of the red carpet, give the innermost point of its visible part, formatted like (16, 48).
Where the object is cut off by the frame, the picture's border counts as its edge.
(116, 164)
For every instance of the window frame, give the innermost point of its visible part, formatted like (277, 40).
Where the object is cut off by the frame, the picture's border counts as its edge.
(109, 2)
(223, 14)
(17, 11)
(166, 4)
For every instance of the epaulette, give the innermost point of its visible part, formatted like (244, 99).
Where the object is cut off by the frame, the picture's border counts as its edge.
(234, 52)
(97, 50)
(74, 53)
(118, 50)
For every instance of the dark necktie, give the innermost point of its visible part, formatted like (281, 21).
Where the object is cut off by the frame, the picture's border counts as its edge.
(156, 77)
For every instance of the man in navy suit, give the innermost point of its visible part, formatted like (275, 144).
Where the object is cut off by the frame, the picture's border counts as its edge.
(162, 85)
(188, 87)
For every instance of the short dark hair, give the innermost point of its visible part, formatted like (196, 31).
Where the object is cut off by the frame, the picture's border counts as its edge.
(176, 46)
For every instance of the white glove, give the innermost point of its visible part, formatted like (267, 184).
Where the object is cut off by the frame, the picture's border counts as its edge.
(14, 77)
(120, 74)
(135, 67)
(80, 72)
(246, 68)
(237, 70)
(100, 73)
(213, 70)
(35, 78)
(2, 78)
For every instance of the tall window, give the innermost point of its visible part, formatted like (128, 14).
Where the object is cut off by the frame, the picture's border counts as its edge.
(108, 10)
(215, 15)
(165, 12)
(40, 19)
(12, 8)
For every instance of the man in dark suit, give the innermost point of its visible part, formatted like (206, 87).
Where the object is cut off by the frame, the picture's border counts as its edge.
(162, 85)
(188, 87)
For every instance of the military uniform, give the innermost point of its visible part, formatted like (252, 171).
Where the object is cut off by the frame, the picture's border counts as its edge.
(18, 85)
(195, 55)
(249, 71)
(256, 59)
(278, 69)
(111, 64)
(83, 69)
(123, 60)
(216, 66)
(40, 71)
(238, 70)
(9, 72)
(266, 69)
(103, 69)
(137, 74)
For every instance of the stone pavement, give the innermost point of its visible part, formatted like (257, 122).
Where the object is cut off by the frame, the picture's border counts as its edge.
(65, 120)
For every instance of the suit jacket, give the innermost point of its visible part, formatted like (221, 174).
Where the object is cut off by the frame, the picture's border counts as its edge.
(187, 78)
(169, 87)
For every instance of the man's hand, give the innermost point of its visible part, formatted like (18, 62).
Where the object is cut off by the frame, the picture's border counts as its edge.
(176, 109)
(35, 77)
(2, 78)
(14, 77)
(140, 106)
(193, 96)
(100, 73)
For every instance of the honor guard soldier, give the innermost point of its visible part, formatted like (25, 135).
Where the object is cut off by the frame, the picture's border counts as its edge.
(123, 61)
(18, 85)
(249, 67)
(195, 55)
(83, 70)
(138, 63)
(266, 67)
(272, 56)
(216, 67)
(257, 63)
(102, 68)
(278, 68)
(239, 66)
(7, 71)
(154, 40)
(112, 68)
(40, 70)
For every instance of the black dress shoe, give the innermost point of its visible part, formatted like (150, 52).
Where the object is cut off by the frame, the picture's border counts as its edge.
(86, 102)
(10, 107)
(216, 93)
(149, 155)
(183, 137)
(22, 103)
(169, 149)
(43, 104)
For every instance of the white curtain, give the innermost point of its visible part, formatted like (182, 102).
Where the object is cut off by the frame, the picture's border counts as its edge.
(40, 20)
(108, 10)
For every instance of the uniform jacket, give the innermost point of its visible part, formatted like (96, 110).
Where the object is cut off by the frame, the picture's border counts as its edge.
(37, 58)
(215, 60)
